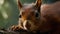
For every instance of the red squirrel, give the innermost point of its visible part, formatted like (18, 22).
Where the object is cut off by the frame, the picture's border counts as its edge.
(38, 16)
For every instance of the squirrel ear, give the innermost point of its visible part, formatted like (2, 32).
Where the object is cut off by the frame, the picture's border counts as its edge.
(19, 5)
(38, 3)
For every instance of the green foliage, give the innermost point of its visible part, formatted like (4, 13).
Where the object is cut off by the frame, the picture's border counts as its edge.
(8, 13)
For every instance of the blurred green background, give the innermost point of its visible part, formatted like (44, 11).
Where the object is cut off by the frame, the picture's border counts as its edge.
(9, 12)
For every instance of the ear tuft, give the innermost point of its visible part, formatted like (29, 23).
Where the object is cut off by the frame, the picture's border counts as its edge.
(19, 5)
(38, 3)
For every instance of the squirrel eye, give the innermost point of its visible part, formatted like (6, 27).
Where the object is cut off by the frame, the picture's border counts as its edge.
(37, 15)
(19, 16)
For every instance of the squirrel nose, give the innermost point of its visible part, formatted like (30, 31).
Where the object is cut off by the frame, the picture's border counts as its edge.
(28, 18)
(28, 25)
